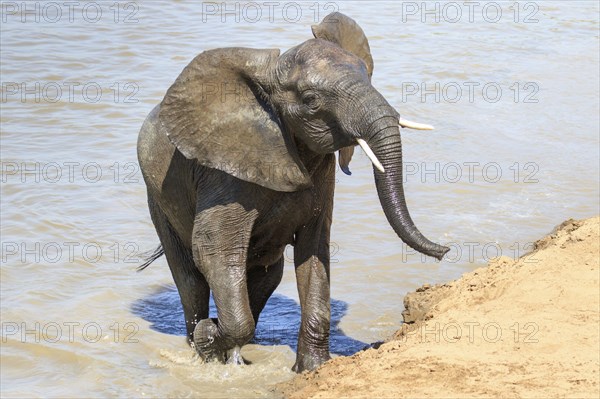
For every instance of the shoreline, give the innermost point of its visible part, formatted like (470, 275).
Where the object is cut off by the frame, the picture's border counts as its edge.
(526, 327)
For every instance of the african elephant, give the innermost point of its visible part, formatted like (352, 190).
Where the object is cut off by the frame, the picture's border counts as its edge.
(239, 162)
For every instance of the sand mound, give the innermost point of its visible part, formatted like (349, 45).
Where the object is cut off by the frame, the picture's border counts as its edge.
(517, 328)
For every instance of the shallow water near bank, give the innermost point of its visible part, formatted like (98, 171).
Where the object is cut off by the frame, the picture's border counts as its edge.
(499, 171)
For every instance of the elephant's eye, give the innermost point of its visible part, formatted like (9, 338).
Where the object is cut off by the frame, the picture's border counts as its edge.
(311, 100)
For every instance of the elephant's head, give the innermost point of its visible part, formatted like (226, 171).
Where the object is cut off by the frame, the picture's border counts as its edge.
(247, 112)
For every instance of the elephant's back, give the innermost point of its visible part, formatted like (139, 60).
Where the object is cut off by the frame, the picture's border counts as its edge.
(154, 150)
(168, 175)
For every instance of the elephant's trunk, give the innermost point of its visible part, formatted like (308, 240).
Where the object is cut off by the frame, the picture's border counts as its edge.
(384, 140)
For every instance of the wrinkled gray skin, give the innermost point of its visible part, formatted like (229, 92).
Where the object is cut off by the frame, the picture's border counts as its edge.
(239, 162)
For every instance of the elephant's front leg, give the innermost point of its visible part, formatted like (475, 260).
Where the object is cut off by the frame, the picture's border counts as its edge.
(221, 238)
(311, 257)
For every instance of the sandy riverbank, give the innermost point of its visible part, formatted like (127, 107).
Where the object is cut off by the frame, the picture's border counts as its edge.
(517, 328)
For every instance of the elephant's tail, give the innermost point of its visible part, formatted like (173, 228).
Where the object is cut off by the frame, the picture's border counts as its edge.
(151, 257)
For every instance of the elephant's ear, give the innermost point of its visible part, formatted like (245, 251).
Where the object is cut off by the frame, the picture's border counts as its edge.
(345, 32)
(217, 113)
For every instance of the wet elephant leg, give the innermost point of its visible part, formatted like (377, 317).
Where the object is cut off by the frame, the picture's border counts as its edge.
(311, 256)
(262, 282)
(311, 261)
(221, 238)
(191, 284)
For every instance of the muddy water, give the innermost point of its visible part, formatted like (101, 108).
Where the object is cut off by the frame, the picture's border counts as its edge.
(514, 98)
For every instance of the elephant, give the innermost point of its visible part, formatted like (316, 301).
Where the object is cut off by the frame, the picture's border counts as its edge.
(239, 162)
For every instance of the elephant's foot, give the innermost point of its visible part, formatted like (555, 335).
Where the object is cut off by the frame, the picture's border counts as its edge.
(204, 338)
(234, 356)
(310, 361)
(204, 343)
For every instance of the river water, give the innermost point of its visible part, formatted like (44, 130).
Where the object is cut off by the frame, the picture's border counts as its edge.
(512, 88)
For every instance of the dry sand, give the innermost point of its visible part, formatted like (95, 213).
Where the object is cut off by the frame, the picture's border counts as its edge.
(517, 328)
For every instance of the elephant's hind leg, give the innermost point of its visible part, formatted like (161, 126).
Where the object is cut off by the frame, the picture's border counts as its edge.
(191, 284)
(262, 282)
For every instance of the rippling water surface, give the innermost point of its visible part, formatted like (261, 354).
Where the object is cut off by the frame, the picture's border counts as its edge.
(507, 161)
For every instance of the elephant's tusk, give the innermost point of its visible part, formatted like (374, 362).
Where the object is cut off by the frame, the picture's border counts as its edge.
(363, 144)
(414, 125)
